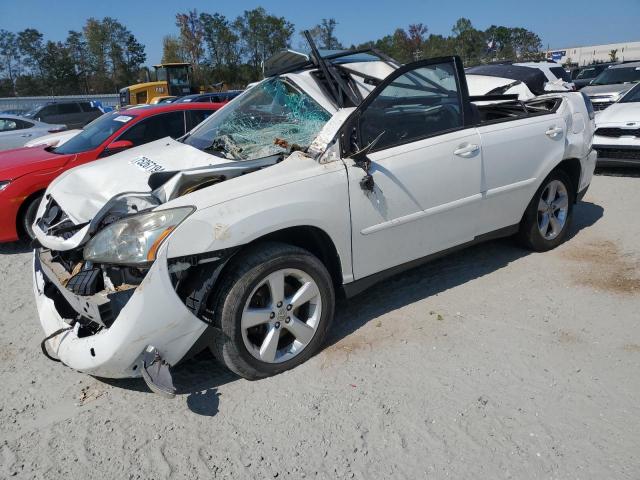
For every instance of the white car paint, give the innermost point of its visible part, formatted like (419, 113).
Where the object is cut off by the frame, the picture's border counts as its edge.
(429, 195)
(15, 131)
(53, 139)
(483, 84)
(624, 117)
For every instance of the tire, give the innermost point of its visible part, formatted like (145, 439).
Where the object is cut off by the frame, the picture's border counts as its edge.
(245, 296)
(28, 217)
(559, 220)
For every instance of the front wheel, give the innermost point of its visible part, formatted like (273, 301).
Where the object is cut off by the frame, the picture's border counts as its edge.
(546, 221)
(29, 216)
(273, 310)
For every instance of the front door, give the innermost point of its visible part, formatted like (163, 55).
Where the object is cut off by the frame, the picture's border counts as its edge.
(425, 167)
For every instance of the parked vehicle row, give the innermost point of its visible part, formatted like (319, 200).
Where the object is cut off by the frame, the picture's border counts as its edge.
(240, 235)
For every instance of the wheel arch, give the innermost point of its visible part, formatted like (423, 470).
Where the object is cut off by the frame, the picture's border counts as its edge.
(573, 169)
(23, 206)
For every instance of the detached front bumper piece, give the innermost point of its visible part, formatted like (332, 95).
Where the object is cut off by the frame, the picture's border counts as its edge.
(152, 315)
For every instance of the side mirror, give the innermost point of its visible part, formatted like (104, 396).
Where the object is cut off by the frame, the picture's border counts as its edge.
(115, 147)
(119, 145)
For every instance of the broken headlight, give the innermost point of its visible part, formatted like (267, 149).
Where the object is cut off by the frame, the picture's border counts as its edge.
(134, 240)
(4, 184)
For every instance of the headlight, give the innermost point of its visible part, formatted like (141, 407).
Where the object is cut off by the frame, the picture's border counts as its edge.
(135, 240)
(4, 184)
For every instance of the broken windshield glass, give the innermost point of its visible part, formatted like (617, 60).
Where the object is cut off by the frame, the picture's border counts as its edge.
(271, 118)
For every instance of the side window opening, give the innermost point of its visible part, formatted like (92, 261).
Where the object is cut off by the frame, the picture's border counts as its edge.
(418, 104)
(155, 128)
(7, 125)
(68, 108)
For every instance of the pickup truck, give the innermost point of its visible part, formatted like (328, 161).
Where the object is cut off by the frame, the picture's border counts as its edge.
(330, 175)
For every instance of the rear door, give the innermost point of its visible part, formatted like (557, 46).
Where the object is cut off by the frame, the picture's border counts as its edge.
(514, 152)
(425, 167)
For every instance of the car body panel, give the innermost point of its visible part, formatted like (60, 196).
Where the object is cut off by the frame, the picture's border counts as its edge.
(619, 148)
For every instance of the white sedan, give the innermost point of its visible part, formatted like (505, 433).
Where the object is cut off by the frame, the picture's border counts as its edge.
(16, 131)
(617, 136)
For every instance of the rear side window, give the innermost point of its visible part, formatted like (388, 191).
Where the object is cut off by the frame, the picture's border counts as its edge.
(67, 108)
(420, 103)
(561, 73)
(8, 124)
(156, 127)
(195, 117)
(22, 124)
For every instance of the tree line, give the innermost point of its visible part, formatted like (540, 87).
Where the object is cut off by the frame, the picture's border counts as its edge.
(105, 56)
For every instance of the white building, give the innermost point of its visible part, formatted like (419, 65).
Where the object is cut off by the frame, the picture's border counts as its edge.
(596, 53)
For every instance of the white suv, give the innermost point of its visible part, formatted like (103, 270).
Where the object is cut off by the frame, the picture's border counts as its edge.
(330, 175)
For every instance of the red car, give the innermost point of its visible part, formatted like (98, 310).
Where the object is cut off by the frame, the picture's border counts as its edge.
(26, 172)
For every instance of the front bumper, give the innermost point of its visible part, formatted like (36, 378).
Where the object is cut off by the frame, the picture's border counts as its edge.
(617, 152)
(154, 315)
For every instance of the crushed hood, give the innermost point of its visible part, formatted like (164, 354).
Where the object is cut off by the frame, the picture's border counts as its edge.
(84, 190)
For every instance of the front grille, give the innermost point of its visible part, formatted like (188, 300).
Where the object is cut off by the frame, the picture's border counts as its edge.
(618, 153)
(618, 132)
(599, 106)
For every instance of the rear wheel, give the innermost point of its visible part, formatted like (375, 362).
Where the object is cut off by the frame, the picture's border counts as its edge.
(273, 310)
(545, 224)
(29, 216)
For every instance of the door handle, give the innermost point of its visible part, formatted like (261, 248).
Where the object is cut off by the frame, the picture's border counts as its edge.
(466, 150)
(554, 132)
(25, 135)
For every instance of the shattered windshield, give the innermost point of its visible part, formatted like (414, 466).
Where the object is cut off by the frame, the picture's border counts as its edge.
(271, 118)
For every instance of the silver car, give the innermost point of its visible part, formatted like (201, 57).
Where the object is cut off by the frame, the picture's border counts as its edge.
(16, 131)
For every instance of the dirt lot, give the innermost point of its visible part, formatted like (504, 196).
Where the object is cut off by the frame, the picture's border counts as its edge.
(493, 363)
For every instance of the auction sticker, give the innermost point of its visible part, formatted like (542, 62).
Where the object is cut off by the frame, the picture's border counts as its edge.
(122, 118)
(146, 165)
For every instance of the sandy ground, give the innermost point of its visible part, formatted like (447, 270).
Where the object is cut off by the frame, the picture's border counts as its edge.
(493, 363)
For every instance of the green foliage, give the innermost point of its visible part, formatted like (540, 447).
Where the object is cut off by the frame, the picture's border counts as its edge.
(105, 56)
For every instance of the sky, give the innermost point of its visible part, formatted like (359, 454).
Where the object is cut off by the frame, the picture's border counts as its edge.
(558, 23)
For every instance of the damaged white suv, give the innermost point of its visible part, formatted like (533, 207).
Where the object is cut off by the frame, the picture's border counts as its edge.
(331, 174)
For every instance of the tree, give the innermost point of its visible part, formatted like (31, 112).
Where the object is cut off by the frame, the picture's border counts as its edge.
(220, 39)
(8, 58)
(172, 51)
(613, 55)
(415, 38)
(469, 41)
(77, 47)
(324, 36)
(262, 35)
(31, 48)
(191, 36)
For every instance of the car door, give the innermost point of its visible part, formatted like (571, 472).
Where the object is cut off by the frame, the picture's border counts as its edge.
(425, 165)
(514, 152)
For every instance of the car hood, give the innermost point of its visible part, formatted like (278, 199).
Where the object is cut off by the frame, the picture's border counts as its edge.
(22, 161)
(620, 113)
(83, 191)
(607, 89)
